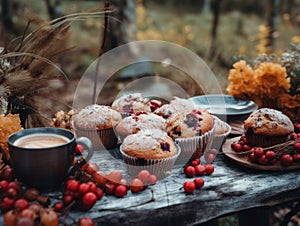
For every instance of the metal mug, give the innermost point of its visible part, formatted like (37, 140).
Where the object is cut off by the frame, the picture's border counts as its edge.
(47, 167)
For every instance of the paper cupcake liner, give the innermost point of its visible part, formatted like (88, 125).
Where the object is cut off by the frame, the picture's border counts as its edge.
(255, 140)
(194, 147)
(101, 139)
(219, 139)
(161, 168)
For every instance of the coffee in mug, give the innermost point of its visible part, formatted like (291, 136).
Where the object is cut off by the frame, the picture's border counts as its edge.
(43, 157)
(41, 141)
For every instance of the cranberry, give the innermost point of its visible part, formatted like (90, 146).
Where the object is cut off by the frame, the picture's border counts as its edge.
(252, 157)
(83, 188)
(209, 158)
(49, 217)
(67, 199)
(263, 160)
(246, 147)
(195, 162)
(270, 155)
(120, 191)
(85, 221)
(153, 179)
(189, 187)
(297, 146)
(58, 206)
(29, 213)
(297, 127)
(11, 193)
(209, 169)
(7, 203)
(199, 182)
(165, 146)
(200, 170)
(99, 193)
(79, 149)
(21, 204)
(296, 157)
(3, 185)
(88, 201)
(7, 174)
(144, 175)
(286, 159)
(236, 147)
(73, 185)
(136, 185)
(258, 152)
(190, 171)
(92, 186)
(109, 188)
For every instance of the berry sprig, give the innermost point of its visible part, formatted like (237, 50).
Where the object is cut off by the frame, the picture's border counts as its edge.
(287, 153)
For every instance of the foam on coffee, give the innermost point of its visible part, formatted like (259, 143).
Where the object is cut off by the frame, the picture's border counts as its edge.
(41, 141)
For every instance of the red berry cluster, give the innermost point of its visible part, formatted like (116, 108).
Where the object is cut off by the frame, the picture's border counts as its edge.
(195, 168)
(114, 183)
(210, 155)
(263, 156)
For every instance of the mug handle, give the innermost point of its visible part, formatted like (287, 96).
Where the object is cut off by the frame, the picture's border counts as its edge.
(85, 142)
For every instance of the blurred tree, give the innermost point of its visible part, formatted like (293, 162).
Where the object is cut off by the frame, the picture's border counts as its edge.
(271, 16)
(6, 15)
(215, 7)
(122, 23)
(54, 10)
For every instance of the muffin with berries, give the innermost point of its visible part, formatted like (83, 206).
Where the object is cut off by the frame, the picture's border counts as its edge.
(221, 132)
(97, 122)
(131, 103)
(266, 127)
(139, 121)
(153, 150)
(193, 130)
(175, 105)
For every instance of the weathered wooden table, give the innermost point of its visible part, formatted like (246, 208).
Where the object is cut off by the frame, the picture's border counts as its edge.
(230, 189)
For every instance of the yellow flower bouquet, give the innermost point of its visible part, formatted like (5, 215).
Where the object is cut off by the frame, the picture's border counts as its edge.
(270, 81)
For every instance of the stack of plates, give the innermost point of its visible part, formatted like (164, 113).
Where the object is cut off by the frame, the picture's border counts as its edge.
(227, 108)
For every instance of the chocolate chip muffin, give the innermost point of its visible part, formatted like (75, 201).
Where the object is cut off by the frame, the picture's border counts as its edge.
(267, 127)
(153, 150)
(140, 121)
(97, 122)
(131, 103)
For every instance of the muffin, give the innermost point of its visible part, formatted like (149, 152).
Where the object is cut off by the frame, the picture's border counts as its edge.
(193, 131)
(266, 127)
(175, 105)
(131, 103)
(153, 150)
(221, 132)
(97, 122)
(139, 121)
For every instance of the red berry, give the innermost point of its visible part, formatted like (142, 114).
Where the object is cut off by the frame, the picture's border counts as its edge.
(200, 170)
(214, 151)
(58, 206)
(293, 136)
(83, 188)
(11, 193)
(252, 157)
(236, 147)
(209, 169)
(7, 174)
(109, 188)
(258, 152)
(296, 157)
(67, 199)
(153, 179)
(7, 203)
(144, 175)
(189, 171)
(120, 191)
(88, 201)
(286, 159)
(195, 162)
(136, 185)
(92, 186)
(199, 182)
(209, 158)
(263, 160)
(189, 187)
(79, 149)
(72, 185)
(246, 147)
(270, 155)
(3, 185)
(297, 127)
(85, 221)
(297, 146)
(99, 193)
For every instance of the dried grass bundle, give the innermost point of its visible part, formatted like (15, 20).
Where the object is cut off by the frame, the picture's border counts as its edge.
(28, 65)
